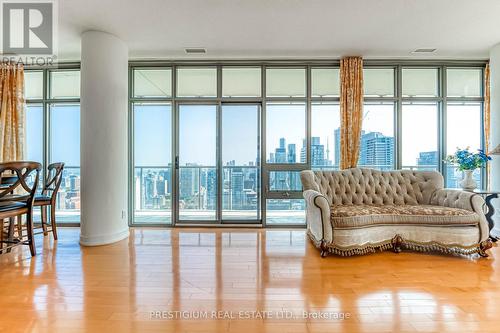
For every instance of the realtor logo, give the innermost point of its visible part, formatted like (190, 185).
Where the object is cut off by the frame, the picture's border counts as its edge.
(28, 27)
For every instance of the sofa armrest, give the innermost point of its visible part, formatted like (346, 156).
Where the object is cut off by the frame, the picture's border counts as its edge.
(318, 216)
(464, 200)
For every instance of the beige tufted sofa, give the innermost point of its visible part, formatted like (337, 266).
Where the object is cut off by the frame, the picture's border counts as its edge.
(357, 211)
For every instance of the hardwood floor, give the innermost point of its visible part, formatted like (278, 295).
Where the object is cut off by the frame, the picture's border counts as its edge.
(137, 285)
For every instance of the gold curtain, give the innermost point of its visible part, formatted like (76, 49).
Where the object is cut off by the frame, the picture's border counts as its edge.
(351, 110)
(12, 113)
(487, 121)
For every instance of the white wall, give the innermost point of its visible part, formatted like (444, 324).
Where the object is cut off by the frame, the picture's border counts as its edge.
(104, 94)
(495, 124)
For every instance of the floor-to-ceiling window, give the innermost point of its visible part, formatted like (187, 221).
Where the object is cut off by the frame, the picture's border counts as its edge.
(464, 106)
(285, 144)
(152, 195)
(325, 119)
(53, 130)
(241, 134)
(225, 143)
(240, 161)
(377, 147)
(151, 114)
(420, 114)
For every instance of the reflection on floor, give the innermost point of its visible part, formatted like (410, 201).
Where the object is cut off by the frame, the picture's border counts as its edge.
(283, 217)
(222, 277)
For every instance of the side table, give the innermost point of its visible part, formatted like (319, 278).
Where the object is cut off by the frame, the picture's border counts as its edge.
(488, 196)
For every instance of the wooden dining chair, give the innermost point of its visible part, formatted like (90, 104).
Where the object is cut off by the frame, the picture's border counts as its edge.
(48, 197)
(16, 200)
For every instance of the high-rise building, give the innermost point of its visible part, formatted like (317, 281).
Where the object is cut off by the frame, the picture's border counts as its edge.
(211, 189)
(292, 154)
(188, 182)
(336, 135)
(377, 150)
(317, 152)
(303, 152)
(427, 158)
(237, 184)
(282, 143)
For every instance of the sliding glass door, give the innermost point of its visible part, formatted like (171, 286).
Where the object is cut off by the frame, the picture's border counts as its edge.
(153, 167)
(197, 163)
(240, 127)
(218, 142)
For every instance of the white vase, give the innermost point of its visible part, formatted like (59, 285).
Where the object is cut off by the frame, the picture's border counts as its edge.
(468, 183)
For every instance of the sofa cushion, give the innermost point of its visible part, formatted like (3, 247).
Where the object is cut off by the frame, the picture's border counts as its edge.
(354, 216)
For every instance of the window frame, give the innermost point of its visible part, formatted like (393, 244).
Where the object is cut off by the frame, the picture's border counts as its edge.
(46, 101)
(308, 99)
(442, 100)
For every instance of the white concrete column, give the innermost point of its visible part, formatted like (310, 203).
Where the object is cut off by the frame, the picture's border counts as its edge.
(104, 100)
(495, 125)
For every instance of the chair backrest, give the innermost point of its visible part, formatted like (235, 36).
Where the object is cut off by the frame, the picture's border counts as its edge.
(372, 187)
(53, 179)
(22, 172)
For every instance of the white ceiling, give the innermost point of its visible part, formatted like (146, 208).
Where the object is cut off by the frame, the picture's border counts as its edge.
(270, 29)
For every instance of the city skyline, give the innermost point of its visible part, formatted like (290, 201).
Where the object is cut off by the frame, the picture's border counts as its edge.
(240, 185)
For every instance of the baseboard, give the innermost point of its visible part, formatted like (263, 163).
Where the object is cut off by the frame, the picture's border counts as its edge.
(104, 239)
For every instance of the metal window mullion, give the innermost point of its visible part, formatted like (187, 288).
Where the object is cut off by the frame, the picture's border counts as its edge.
(398, 149)
(368, 100)
(46, 122)
(443, 124)
(308, 116)
(175, 174)
(131, 151)
(219, 171)
(263, 164)
(259, 166)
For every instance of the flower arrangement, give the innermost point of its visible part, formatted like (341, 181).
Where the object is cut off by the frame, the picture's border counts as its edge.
(467, 161)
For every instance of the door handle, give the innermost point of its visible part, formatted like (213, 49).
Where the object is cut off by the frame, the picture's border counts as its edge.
(177, 163)
(286, 195)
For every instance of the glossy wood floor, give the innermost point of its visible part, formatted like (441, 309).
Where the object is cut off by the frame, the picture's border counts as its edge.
(137, 285)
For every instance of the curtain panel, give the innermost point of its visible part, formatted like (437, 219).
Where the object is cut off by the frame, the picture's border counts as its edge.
(351, 110)
(12, 112)
(487, 115)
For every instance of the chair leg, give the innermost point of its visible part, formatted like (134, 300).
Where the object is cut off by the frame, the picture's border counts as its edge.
(43, 210)
(31, 239)
(53, 220)
(10, 233)
(20, 227)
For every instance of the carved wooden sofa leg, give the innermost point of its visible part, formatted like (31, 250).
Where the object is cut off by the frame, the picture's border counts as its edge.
(397, 244)
(324, 249)
(487, 244)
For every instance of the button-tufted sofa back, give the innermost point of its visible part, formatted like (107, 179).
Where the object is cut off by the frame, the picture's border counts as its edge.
(373, 187)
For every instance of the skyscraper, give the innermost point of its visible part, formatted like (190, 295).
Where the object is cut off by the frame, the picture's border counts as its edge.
(376, 150)
(280, 152)
(303, 152)
(336, 135)
(427, 158)
(317, 152)
(237, 194)
(292, 155)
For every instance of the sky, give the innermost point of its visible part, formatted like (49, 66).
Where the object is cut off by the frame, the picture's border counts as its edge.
(65, 134)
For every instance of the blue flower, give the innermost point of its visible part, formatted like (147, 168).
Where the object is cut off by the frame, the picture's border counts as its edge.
(466, 160)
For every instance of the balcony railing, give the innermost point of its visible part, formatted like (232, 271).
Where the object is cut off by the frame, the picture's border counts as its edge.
(198, 193)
